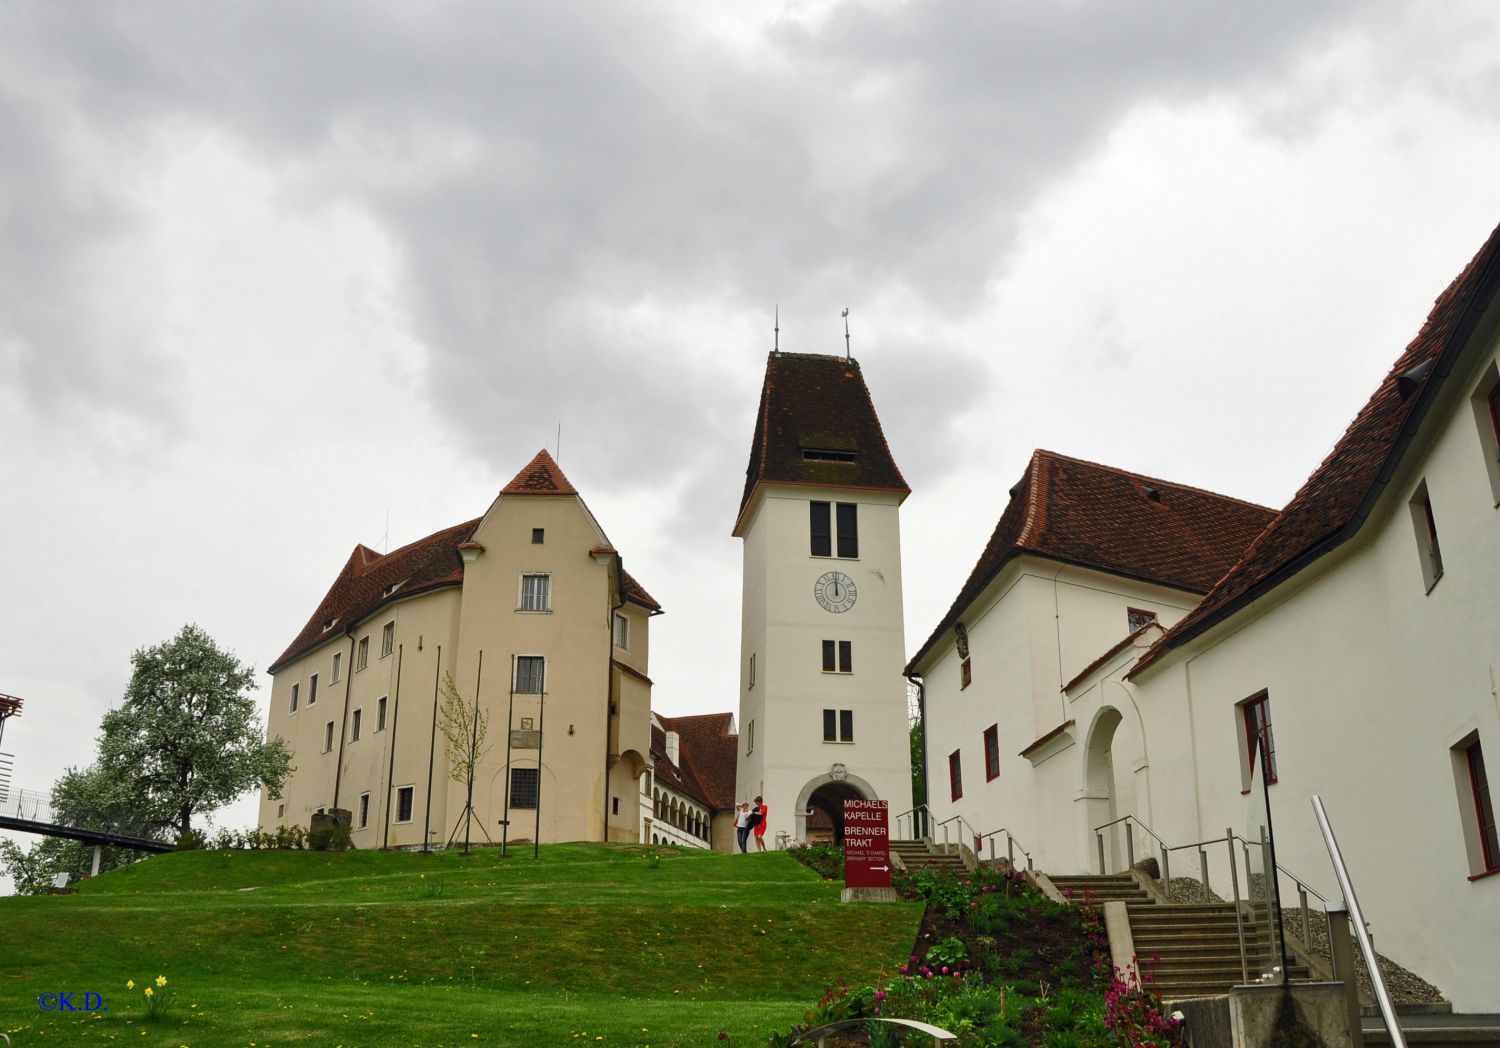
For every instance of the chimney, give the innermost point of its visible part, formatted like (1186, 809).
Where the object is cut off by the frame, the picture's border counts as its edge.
(672, 747)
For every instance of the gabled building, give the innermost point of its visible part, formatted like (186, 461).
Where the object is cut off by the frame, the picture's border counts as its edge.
(822, 701)
(688, 798)
(531, 611)
(1085, 559)
(1356, 641)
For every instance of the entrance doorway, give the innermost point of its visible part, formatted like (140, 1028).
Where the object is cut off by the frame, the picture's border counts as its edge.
(820, 806)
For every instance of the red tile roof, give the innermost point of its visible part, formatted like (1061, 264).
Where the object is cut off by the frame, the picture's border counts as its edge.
(706, 752)
(363, 585)
(636, 593)
(540, 477)
(1339, 495)
(1115, 521)
(817, 425)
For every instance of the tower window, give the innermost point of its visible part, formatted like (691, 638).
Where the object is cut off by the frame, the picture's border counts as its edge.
(955, 775)
(848, 520)
(822, 529)
(838, 725)
(822, 517)
(1425, 525)
(838, 656)
(538, 536)
(992, 753)
(536, 592)
(530, 674)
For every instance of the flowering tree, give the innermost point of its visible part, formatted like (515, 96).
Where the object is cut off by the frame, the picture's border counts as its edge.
(187, 739)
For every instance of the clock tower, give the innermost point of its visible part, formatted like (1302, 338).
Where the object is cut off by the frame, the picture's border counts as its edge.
(822, 698)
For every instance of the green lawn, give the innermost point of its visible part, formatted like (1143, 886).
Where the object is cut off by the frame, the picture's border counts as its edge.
(590, 944)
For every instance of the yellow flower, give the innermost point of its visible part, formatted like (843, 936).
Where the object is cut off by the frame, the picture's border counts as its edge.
(161, 980)
(130, 984)
(150, 992)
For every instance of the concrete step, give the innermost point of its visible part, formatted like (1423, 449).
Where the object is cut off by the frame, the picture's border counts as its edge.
(1439, 1031)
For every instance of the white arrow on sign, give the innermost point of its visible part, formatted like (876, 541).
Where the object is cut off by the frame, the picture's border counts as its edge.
(882, 869)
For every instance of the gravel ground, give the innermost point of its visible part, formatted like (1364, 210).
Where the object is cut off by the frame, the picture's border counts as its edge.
(1189, 889)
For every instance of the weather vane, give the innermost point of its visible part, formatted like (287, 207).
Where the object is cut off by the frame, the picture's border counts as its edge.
(846, 334)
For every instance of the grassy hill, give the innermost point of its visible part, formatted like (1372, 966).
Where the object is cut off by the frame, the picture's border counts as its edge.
(589, 944)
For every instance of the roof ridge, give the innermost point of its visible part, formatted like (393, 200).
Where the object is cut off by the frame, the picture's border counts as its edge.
(382, 558)
(1058, 456)
(1033, 478)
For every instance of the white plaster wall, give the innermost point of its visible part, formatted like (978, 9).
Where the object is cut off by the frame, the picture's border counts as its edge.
(1371, 681)
(784, 625)
(1035, 627)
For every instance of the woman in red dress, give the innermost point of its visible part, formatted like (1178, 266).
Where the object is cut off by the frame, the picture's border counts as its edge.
(760, 827)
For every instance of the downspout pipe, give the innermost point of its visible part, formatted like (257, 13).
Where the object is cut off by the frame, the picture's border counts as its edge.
(610, 705)
(921, 686)
(338, 773)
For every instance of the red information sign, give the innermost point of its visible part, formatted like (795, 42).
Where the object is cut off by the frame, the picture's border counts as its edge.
(867, 845)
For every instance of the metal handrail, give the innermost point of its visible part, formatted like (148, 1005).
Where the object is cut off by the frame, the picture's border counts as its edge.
(963, 824)
(1361, 930)
(1011, 844)
(926, 819)
(1129, 820)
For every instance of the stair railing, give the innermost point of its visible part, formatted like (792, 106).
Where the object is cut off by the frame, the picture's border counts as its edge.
(1130, 821)
(962, 828)
(1011, 845)
(1361, 929)
(918, 819)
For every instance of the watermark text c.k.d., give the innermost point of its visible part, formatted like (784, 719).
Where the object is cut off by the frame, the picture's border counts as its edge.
(70, 1002)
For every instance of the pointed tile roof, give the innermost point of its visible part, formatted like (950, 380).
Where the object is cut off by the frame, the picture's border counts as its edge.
(1333, 505)
(816, 425)
(1115, 521)
(370, 579)
(542, 476)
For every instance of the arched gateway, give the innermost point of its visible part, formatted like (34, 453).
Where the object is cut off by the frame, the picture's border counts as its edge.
(826, 794)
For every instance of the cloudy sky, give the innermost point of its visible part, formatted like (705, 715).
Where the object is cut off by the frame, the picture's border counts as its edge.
(281, 278)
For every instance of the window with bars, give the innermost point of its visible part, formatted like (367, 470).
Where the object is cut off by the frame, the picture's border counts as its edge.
(531, 671)
(525, 787)
(838, 656)
(1484, 807)
(404, 797)
(1257, 714)
(992, 753)
(536, 592)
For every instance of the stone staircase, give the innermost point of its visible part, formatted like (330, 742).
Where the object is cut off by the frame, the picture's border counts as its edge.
(923, 854)
(1196, 943)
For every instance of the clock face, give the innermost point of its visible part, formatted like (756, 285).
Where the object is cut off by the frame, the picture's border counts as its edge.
(835, 591)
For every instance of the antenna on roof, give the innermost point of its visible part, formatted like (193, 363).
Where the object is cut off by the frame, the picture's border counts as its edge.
(776, 346)
(846, 334)
(385, 546)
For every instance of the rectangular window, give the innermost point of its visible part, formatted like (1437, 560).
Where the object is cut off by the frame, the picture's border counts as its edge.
(388, 639)
(1139, 619)
(530, 674)
(992, 753)
(752, 669)
(536, 592)
(838, 656)
(1494, 402)
(364, 811)
(1486, 401)
(965, 674)
(295, 689)
(404, 797)
(750, 740)
(328, 736)
(538, 536)
(362, 654)
(525, 785)
(848, 519)
(1258, 734)
(822, 529)
(380, 713)
(1484, 807)
(338, 662)
(846, 725)
(312, 689)
(622, 632)
(359, 716)
(955, 775)
(1425, 525)
(614, 805)
(838, 725)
